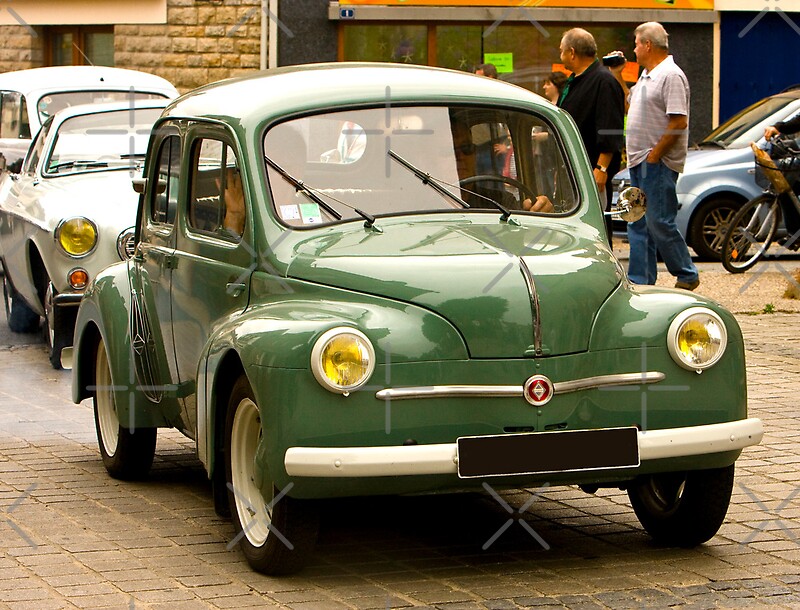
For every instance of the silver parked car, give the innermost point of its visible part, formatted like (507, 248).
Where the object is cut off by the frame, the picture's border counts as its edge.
(29, 97)
(70, 212)
(719, 176)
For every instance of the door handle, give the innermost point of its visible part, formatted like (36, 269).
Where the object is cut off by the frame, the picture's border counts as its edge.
(235, 288)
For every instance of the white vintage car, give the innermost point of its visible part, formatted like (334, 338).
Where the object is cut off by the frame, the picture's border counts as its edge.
(29, 97)
(70, 212)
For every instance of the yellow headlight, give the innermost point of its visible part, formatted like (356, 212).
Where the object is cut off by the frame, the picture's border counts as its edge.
(697, 338)
(77, 236)
(342, 360)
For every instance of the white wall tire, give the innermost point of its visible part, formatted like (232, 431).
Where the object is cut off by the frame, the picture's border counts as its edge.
(277, 533)
(127, 452)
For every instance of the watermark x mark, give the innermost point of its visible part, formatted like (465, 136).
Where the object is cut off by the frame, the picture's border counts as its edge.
(516, 516)
(257, 515)
(26, 494)
(514, 10)
(775, 516)
(769, 8)
(268, 14)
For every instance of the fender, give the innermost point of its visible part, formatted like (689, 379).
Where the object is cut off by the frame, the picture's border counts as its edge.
(112, 324)
(269, 335)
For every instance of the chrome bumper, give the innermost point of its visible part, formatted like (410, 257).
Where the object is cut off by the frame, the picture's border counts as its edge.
(442, 459)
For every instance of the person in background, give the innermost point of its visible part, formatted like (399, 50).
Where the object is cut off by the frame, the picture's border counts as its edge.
(657, 142)
(489, 70)
(783, 127)
(553, 85)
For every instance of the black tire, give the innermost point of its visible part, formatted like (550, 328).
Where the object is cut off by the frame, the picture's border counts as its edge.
(750, 233)
(276, 534)
(709, 224)
(21, 318)
(57, 327)
(683, 509)
(127, 452)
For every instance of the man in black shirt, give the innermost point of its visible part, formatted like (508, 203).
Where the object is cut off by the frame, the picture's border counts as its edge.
(596, 102)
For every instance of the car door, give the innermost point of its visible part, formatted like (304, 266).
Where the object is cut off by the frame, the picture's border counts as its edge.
(151, 277)
(21, 217)
(213, 256)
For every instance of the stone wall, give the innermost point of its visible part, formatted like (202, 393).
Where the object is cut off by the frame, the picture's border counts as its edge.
(20, 48)
(204, 41)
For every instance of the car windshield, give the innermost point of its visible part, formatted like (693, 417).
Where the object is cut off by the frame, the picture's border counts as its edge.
(365, 163)
(104, 140)
(53, 102)
(748, 125)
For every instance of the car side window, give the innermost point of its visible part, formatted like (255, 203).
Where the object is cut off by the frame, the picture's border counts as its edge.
(165, 195)
(14, 116)
(217, 203)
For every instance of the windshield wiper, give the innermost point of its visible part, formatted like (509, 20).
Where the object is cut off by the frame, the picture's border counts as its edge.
(87, 164)
(302, 188)
(437, 185)
(427, 179)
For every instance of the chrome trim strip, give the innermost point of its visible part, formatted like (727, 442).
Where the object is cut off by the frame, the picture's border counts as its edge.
(535, 310)
(603, 381)
(334, 462)
(504, 391)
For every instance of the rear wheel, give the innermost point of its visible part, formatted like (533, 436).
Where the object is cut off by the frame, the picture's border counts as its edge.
(127, 452)
(709, 225)
(683, 509)
(750, 233)
(276, 533)
(21, 318)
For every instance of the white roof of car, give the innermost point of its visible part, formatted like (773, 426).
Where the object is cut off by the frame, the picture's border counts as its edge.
(69, 78)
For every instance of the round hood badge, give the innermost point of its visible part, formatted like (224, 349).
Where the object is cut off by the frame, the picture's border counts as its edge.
(538, 390)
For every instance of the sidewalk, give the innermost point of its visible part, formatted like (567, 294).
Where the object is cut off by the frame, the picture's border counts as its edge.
(759, 289)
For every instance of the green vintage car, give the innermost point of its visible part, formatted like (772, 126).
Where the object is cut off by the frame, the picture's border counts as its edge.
(360, 279)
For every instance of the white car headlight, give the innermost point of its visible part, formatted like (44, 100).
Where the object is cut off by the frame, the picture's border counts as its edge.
(697, 338)
(342, 360)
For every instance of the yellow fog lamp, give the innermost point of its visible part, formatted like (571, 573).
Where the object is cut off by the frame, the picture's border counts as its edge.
(342, 360)
(697, 338)
(76, 236)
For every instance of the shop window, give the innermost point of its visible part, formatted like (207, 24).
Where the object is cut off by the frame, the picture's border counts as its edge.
(406, 44)
(79, 45)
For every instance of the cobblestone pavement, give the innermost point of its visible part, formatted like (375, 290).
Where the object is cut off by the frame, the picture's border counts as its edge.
(71, 537)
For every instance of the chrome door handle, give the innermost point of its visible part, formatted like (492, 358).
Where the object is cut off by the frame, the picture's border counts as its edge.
(235, 288)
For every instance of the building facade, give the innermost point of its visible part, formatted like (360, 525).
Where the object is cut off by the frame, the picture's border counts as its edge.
(724, 46)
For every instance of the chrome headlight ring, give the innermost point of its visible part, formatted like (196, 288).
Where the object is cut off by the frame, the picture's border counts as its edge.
(76, 237)
(342, 360)
(697, 339)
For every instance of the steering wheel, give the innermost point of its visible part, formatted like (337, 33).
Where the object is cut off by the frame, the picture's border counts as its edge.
(523, 188)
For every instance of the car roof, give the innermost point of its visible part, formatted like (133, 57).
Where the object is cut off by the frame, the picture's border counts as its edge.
(70, 78)
(282, 91)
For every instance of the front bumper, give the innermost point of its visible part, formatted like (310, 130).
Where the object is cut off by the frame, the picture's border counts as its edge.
(334, 462)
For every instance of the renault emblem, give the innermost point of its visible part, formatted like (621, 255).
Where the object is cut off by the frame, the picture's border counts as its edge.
(538, 390)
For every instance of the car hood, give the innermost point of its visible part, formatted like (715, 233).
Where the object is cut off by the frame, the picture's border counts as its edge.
(702, 158)
(474, 275)
(105, 197)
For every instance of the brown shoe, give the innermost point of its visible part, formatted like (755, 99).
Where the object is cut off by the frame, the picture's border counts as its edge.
(688, 285)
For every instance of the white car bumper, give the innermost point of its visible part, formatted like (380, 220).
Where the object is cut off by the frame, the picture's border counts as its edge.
(443, 459)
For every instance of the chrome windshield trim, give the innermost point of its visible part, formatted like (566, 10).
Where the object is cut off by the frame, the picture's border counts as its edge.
(506, 391)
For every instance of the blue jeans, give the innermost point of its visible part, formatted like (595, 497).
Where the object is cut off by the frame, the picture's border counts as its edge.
(657, 230)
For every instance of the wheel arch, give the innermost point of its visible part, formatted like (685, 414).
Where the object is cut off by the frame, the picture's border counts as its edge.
(724, 192)
(85, 362)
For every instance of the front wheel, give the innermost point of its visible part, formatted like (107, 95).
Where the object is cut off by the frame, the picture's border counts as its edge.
(57, 332)
(750, 233)
(683, 509)
(709, 225)
(276, 533)
(127, 452)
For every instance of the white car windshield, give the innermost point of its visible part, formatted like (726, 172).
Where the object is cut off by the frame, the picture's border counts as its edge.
(373, 162)
(51, 103)
(104, 140)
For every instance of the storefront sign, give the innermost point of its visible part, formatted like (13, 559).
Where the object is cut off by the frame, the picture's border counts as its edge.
(504, 62)
(650, 4)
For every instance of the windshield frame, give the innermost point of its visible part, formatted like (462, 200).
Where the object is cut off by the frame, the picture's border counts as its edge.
(569, 163)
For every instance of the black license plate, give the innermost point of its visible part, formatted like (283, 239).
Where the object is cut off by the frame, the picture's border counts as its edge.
(544, 452)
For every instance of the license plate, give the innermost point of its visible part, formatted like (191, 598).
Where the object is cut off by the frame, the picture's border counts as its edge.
(545, 452)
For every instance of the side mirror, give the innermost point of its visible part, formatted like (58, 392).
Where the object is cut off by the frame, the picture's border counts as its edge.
(139, 185)
(631, 205)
